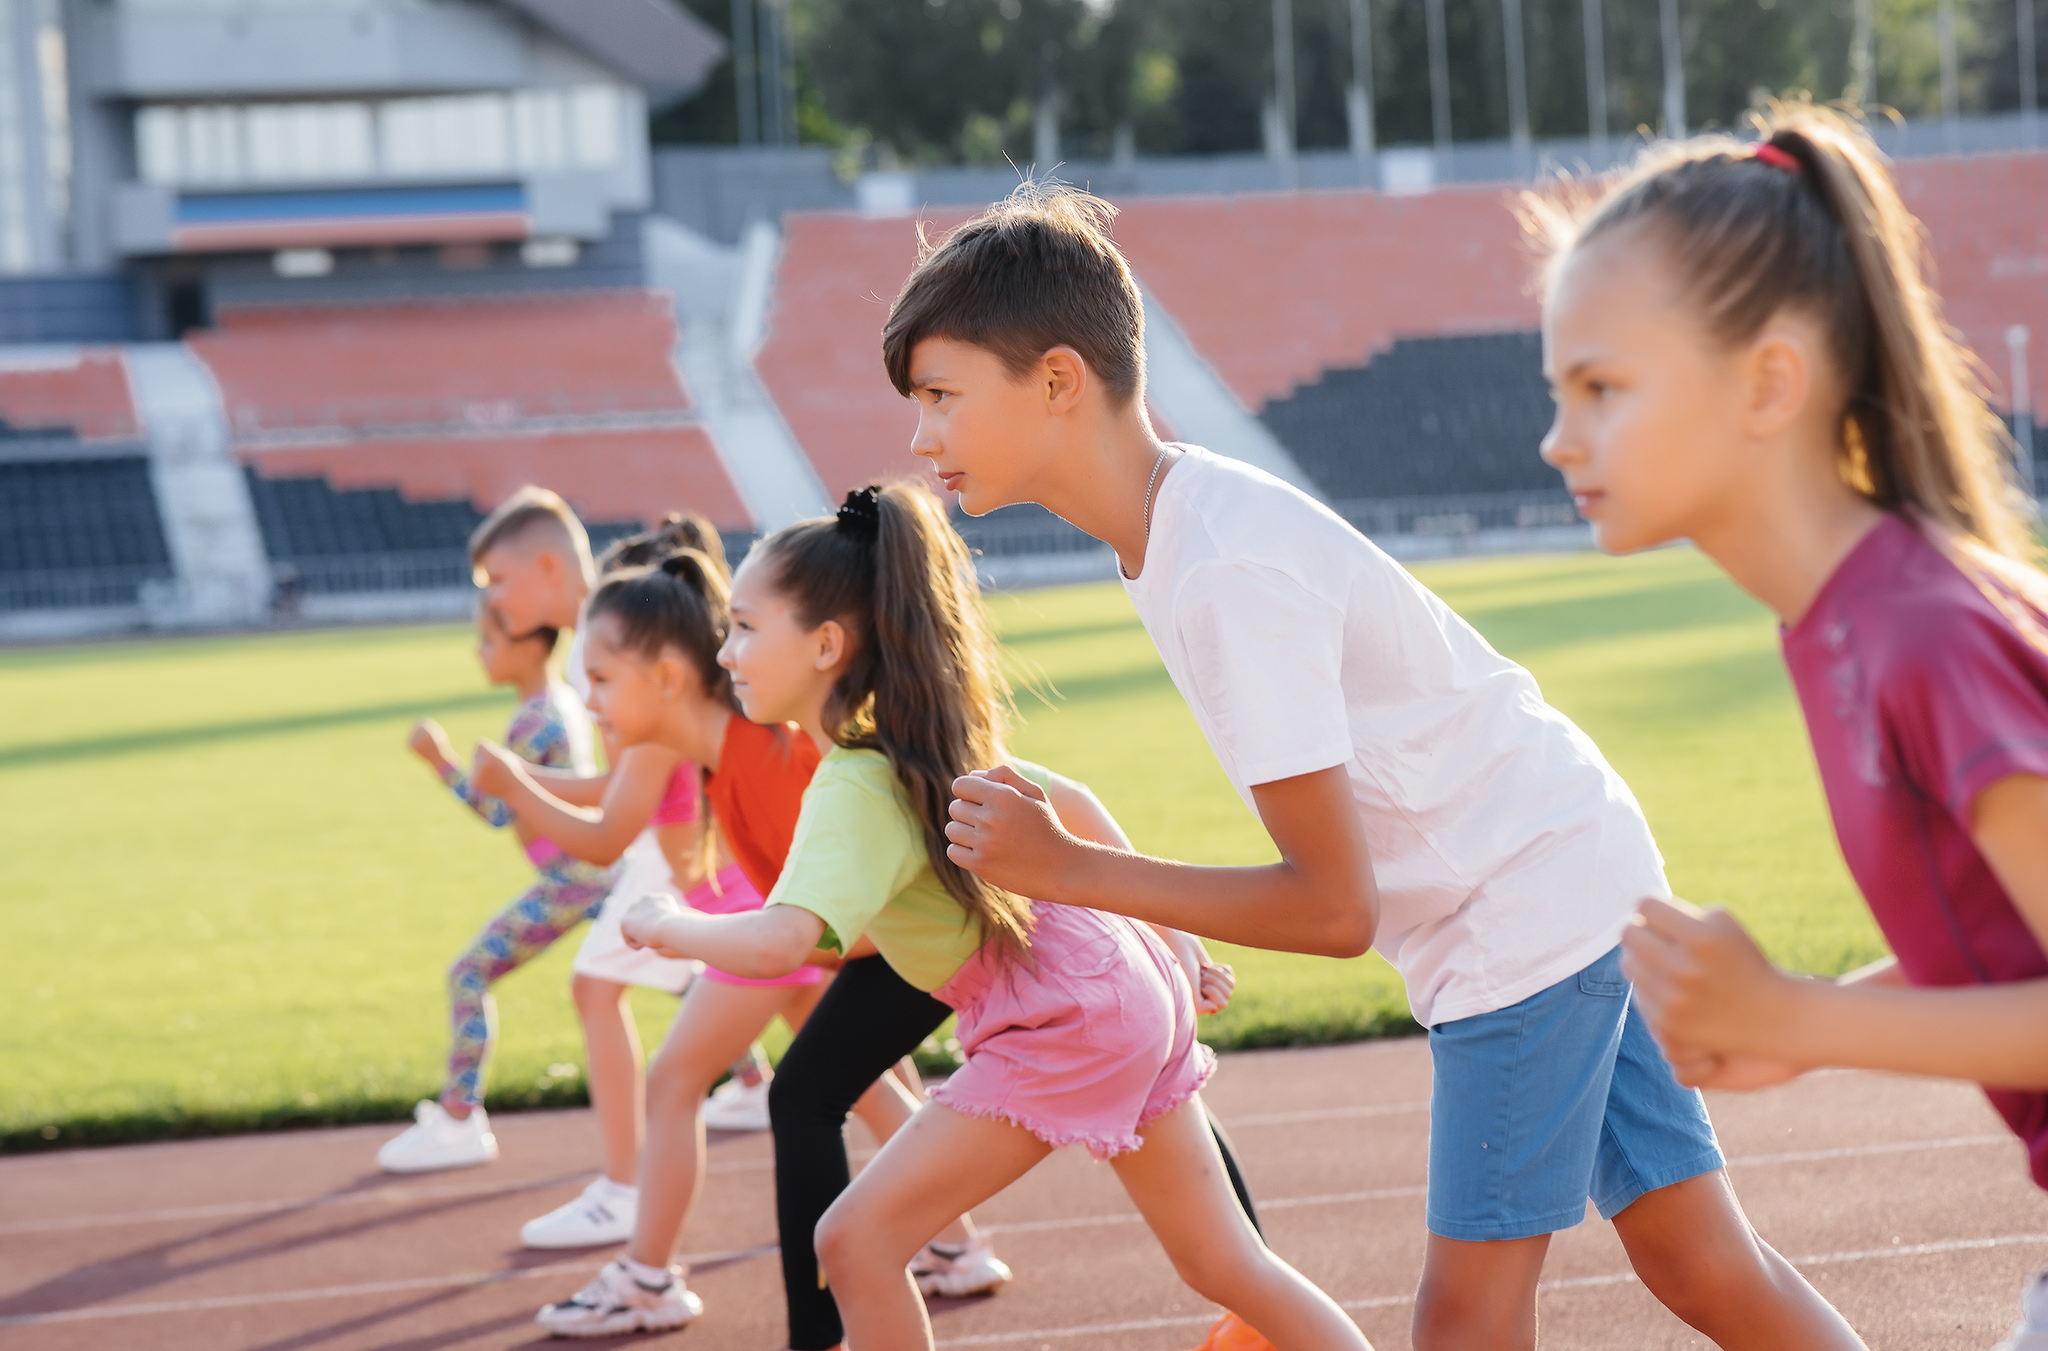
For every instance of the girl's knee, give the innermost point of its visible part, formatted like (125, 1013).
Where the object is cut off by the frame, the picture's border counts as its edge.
(837, 1237)
(594, 996)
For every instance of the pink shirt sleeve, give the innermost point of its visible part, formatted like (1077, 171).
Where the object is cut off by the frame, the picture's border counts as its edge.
(1971, 709)
(678, 805)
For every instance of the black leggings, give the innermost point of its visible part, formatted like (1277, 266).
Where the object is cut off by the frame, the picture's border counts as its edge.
(869, 1019)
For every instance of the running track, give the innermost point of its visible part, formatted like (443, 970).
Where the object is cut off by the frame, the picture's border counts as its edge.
(1904, 1201)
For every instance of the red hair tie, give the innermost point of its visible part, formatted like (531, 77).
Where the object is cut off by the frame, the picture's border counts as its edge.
(1777, 157)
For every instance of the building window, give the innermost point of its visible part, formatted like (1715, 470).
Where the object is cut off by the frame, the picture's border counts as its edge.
(460, 135)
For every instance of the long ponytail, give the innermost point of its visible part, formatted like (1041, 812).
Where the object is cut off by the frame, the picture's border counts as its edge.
(923, 685)
(1810, 219)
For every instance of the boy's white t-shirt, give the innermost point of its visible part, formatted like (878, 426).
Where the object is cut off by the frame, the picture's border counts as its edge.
(1507, 852)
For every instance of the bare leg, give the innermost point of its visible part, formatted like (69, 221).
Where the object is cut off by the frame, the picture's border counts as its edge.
(716, 1023)
(618, 1087)
(884, 1109)
(1178, 1183)
(937, 1166)
(1479, 1296)
(1696, 1251)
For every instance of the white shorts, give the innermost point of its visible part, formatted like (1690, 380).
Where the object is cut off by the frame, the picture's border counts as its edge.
(604, 954)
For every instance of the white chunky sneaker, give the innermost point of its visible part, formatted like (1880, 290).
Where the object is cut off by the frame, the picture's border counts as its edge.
(2031, 1332)
(954, 1272)
(733, 1106)
(603, 1214)
(436, 1140)
(616, 1302)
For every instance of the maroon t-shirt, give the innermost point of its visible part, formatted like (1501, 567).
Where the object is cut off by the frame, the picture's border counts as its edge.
(1919, 694)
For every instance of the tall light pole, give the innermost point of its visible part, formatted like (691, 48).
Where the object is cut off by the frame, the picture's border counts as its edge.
(1518, 85)
(1596, 79)
(1439, 84)
(1945, 31)
(1283, 86)
(1358, 95)
(1863, 55)
(2023, 21)
(746, 93)
(1674, 69)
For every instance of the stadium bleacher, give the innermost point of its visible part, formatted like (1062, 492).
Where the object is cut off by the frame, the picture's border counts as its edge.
(1427, 417)
(78, 532)
(82, 391)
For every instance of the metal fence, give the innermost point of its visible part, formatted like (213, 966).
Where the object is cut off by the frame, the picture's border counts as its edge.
(335, 574)
(76, 588)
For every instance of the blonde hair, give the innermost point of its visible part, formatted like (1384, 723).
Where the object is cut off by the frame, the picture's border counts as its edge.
(531, 510)
(1750, 234)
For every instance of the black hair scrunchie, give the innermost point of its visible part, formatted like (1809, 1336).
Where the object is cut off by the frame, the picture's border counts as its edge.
(860, 516)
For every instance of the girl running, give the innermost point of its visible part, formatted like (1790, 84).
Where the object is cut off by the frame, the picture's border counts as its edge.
(1746, 353)
(651, 656)
(547, 728)
(1078, 1026)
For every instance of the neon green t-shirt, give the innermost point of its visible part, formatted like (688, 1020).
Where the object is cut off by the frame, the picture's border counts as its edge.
(858, 862)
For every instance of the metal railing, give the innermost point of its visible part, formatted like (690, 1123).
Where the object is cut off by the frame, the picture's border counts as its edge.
(1458, 514)
(76, 588)
(334, 574)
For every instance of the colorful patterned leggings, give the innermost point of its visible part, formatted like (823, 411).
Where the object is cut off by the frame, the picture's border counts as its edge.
(567, 892)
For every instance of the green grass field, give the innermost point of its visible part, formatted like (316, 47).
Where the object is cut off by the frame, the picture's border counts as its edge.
(229, 894)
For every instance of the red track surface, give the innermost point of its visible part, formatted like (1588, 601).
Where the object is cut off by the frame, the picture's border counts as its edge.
(1904, 1201)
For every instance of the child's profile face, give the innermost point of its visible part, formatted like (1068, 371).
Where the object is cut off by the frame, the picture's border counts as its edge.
(521, 584)
(1649, 421)
(625, 687)
(496, 651)
(986, 432)
(772, 656)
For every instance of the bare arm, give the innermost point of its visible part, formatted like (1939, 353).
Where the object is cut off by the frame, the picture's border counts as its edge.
(1084, 816)
(566, 785)
(757, 944)
(1319, 898)
(631, 794)
(1710, 993)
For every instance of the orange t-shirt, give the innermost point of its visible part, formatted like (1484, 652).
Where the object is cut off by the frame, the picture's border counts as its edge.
(757, 793)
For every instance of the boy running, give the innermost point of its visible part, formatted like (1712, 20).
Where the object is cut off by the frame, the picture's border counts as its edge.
(1422, 796)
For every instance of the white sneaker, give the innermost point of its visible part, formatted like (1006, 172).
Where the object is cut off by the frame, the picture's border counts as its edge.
(943, 1269)
(603, 1214)
(437, 1140)
(616, 1302)
(733, 1106)
(2031, 1332)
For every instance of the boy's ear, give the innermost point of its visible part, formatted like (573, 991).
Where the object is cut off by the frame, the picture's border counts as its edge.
(1066, 377)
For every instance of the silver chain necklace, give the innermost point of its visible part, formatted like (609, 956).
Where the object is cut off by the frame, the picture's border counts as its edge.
(1150, 484)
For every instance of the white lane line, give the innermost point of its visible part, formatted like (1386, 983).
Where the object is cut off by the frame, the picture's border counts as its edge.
(1326, 1114)
(395, 1195)
(466, 1279)
(1865, 1151)
(1547, 1287)
(1403, 1193)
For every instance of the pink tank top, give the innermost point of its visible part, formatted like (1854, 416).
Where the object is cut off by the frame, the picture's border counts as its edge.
(679, 804)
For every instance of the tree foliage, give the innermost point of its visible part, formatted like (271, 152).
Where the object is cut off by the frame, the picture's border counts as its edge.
(958, 80)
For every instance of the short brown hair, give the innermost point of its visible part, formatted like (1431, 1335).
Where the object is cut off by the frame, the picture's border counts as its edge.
(1033, 272)
(531, 508)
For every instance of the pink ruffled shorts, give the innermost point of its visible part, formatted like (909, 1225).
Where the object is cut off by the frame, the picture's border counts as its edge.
(1085, 1042)
(736, 896)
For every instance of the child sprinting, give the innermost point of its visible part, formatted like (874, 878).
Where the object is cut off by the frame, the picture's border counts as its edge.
(653, 635)
(1078, 1026)
(548, 728)
(1746, 354)
(532, 557)
(1422, 796)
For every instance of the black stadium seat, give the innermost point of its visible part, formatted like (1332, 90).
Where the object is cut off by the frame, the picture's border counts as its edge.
(1430, 417)
(78, 532)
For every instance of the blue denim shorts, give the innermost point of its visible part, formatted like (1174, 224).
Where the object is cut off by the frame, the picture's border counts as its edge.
(1538, 1106)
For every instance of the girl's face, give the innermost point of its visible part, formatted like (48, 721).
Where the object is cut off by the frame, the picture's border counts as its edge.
(627, 698)
(781, 671)
(1650, 421)
(503, 657)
